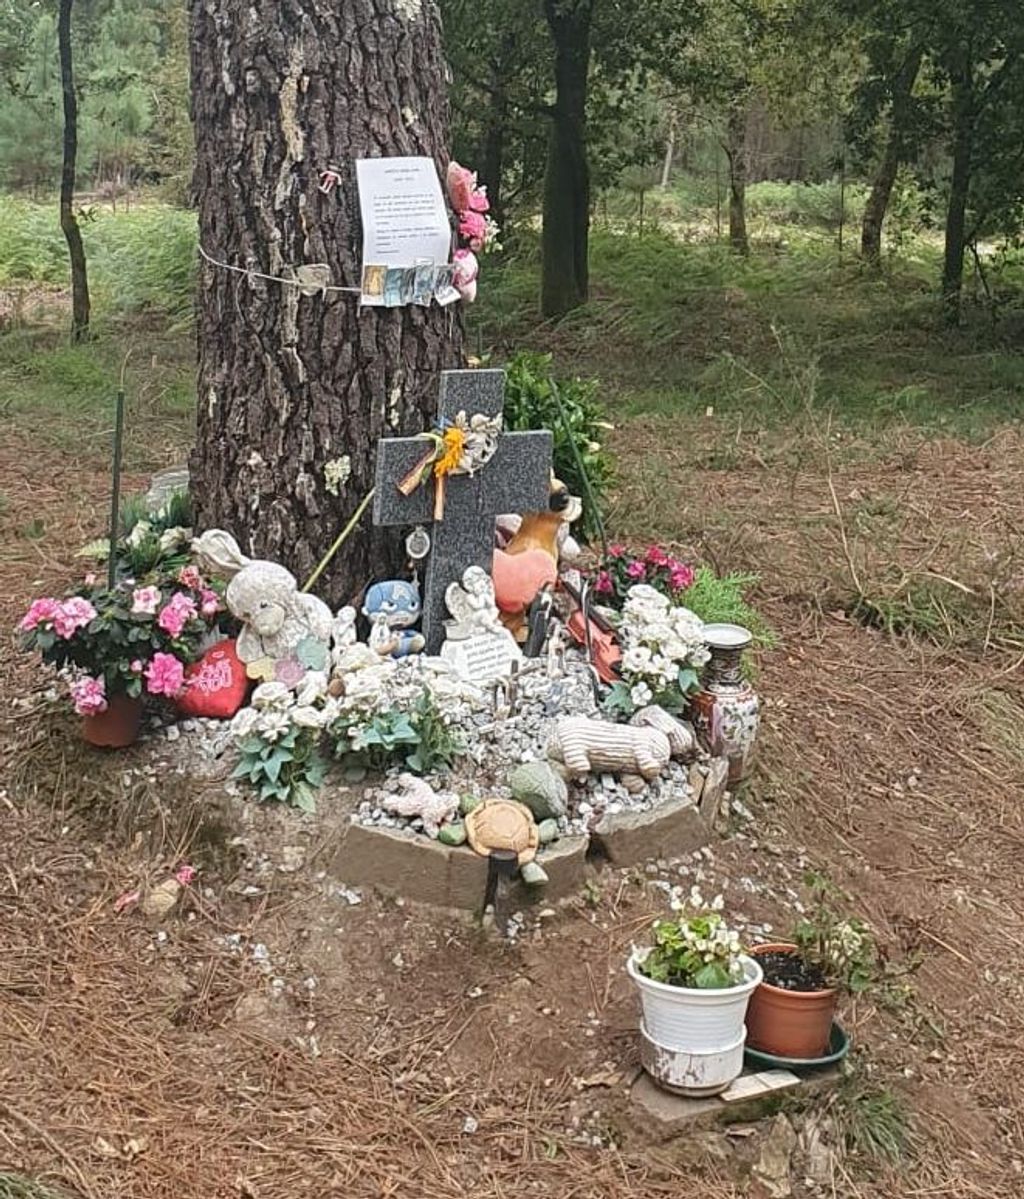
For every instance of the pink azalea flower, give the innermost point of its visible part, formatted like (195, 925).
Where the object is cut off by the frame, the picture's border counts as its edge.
(656, 556)
(473, 227)
(176, 613)
(681, 576)
(145, 601)
(165, 675)
(136, 666)
(189, 576)
(209, 602)
(39, 610)
(636, 570)
(89, 696)
(616, 550)
(604, 583)
(72, 615)
(461, 184)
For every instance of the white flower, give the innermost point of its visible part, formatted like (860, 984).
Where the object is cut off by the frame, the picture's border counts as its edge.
(244, 722)
(271, 695)
(636, 659)
(174, 538)
(307, 717)
(641, 694)
(312, 688)
(139, 533)
(273, 725)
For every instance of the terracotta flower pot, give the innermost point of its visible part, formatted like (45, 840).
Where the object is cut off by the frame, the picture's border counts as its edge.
(118, 726)
(789, 1023)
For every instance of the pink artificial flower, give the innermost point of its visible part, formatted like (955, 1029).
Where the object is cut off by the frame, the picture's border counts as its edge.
(604, 583)
(89, 695)
(189, 576)
(145, 601)
(72, 615)
(681, 576)
(478, 201)
(136, 666)
(636, 569)
(616, 550)
(656, 556)
(461, 185)
(176, 613)
(39, 610)
(473, 227)
(165, 675)
(209, 602)
(466, 270)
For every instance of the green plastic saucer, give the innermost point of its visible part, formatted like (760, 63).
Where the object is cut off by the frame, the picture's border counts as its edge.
(838, 1048)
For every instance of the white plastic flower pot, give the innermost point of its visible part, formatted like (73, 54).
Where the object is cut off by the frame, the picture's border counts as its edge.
(694, 1037)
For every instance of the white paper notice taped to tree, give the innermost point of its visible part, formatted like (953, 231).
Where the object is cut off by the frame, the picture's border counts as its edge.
(407, 237)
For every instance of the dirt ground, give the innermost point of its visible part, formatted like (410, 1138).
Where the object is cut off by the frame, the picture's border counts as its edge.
(404, 1053)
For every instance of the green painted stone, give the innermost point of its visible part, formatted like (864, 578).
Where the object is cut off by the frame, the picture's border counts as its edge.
(468, 802)
(452, 834)
(541, 788)
(548, 830)
(533, 874)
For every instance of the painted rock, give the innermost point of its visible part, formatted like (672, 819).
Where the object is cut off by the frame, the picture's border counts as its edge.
(503, 824)
(541, 788)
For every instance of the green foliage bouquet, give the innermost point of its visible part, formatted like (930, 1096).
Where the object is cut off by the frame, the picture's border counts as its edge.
(695, 950)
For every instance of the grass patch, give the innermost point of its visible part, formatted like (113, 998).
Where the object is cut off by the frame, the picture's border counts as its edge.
(873, 1122)
(674, 328)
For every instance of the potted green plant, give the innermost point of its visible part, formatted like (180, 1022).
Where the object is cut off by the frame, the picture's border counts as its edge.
(114, 646)
(792, 1011)
(694, 983)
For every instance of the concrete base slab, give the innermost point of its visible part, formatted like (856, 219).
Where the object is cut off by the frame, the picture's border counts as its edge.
(659, 1116)
(425, 871)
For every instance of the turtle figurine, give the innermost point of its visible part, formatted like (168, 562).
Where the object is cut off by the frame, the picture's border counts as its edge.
(503, 824)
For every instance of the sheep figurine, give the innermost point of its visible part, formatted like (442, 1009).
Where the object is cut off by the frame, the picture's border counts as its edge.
(418, 798)
(587, 746)
(285, 631)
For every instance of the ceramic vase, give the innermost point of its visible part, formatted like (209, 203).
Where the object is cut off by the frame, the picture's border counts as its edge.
(117, 727)
(725, 711)
(692, 1039)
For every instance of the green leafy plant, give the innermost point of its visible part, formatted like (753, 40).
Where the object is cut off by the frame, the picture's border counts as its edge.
(287, 768)
(697, 950)
(841, 948)
(721, 599)
(419, 738)
(576, 426)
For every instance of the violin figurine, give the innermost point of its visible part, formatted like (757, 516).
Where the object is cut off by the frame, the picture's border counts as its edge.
(590, 629)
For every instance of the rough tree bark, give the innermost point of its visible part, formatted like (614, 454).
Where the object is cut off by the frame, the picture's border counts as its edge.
(895, 151)
(962, 98)
(295, 391)
(736, 152)
(68, 223)
(566, 217)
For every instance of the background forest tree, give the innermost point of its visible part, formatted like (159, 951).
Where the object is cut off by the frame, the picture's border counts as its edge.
(569, 107)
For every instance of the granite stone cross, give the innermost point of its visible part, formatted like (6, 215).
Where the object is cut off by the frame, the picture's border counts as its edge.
(516, 479)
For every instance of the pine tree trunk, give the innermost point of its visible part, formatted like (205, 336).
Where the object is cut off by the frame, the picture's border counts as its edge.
(566, 219)
(736, 151)
(895, 148)
(959, 187)
(295, 391)
(670, 153)
(68, 223)
(491, 167)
